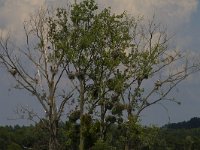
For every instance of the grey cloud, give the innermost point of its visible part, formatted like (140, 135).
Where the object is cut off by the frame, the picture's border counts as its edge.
(13, 13)
(170, 12)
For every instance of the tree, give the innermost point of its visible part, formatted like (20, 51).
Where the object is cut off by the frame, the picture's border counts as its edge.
(38, 68)
(106, 67)
(127, 65)
(89, 39)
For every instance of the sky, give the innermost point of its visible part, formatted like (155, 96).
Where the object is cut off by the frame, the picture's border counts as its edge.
(182, 20)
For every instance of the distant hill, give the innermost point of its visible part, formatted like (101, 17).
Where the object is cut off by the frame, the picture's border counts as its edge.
(192, 123)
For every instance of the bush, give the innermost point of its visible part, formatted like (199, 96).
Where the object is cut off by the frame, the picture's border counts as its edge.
(101, 145)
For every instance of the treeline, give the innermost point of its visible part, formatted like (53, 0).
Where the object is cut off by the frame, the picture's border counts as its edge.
(143, 138)
(192, 123)
(36, 137)
(180, 139)
(21, 137)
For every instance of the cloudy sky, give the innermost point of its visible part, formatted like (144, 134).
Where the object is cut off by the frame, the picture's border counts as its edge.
(181, 18)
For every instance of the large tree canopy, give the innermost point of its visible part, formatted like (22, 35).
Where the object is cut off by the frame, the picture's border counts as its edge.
(104, 68)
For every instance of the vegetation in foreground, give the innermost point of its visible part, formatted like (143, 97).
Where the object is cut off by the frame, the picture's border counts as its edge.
(179, 136)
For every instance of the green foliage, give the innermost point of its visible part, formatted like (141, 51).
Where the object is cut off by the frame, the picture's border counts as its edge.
(14, 146)
(74, 116)
(108, 58)
(18, 137)
(101, 145)
(72, 135)
(141, 138)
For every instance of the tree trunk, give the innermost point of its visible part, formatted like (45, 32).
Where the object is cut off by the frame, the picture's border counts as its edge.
(102, 125)
(53, 120)
(53, 141)
(81, 146)
(127, 144)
